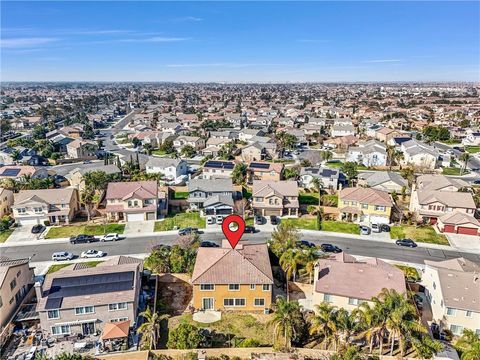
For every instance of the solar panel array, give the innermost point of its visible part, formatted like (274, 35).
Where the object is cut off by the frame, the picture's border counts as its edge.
(10, 172)
(220, 164)
(255, 165)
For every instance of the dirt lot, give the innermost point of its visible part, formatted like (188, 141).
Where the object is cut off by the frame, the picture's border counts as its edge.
(175, 292)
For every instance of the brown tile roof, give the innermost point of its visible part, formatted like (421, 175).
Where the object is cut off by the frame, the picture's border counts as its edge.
(126, 190)
(343, 275)
(283, 188)
(50, 196)
(449, 198)
(246, 264)
(277, 167)
(459, 218)
(115, 330)
(366, 195)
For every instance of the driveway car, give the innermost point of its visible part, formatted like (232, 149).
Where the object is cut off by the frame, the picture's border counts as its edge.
(82, 239)
(385, 228)
(329, 248)
(208, 244)
(406, 242)
(92, 254)
(210, 220)
(376, 228)
(110, 237)
(187, 231)
(38, 229)
(62, 255)
(219, 219)
(250, 229)
(364, 230)
(305, 243)
(274, 220)
(258, 220)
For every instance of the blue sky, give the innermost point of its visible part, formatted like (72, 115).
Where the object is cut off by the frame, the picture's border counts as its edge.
(240, 41)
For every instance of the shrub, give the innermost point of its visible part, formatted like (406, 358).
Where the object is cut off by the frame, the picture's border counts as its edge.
(46, 223)
(249, 343)
(184, 336)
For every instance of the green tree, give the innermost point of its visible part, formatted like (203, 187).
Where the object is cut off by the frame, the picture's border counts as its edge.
(167, 146)
(287, 320)
(469, 345)
(408, 174)
(291, 173)
(465, 158)
(150, 328)
(184, 336)
(324, 323)
(350, 169)
(283, 238)
(188, 151)
(239, 174)
(326, 155)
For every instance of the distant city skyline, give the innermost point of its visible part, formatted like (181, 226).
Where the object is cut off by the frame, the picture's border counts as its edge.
(240, 42)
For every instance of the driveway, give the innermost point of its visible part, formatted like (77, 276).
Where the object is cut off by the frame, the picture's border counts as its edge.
(464, 242)
(138, 227)
(23, 233)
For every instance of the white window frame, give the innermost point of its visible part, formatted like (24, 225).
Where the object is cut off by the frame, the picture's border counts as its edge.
(202, 287)
(460, 328)
(267, 287)
(252, 286)
(84, 309)
(259, 305)
(119, 319)
(117, 307)
(61, 329)
(468, 313)
(235, 285)
(454, 311)
(52, 310)
(235, 302)
(328, 298)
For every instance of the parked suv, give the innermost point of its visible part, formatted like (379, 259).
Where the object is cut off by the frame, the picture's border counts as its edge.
(376, 228)
(63, 255)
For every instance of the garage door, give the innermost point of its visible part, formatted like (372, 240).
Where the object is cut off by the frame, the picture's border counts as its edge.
(378, 219)
(135, 217)
(449, 228)
(467, 231)
(28, 221)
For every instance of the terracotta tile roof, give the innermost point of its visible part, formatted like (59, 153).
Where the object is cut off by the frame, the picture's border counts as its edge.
(115, 330)
(459, 218)
(366, 195)
(125, 190)
(449, 198)
(49, 196)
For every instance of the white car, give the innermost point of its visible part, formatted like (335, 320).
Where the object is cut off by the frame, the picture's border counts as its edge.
(92, 254)
(110, 237)
(63, 255)
(210, 220)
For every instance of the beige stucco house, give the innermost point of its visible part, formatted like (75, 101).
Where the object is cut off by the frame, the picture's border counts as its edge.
(6, 202)
(279, 198)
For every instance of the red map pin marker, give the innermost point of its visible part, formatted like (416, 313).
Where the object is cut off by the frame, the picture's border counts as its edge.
(233, 236)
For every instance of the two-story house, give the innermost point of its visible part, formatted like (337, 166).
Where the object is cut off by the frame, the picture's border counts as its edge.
(365, 205)
(132, 201)
(369, 153)
(330, 178)
(452, 287)
(278, 198)
(419, 154)
(214, 169)
(81, 149)
(6, 201)
(38, 206)
(383, 180)
(16, 283)
(196, 142)
(211, 197)
(264, 171)
(218, 286)
(171, 169)
(78, 299)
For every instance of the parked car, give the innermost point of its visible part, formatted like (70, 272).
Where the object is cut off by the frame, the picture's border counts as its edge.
(111, 237)
(62, 255)
(187, 231)
(210, 220)
(219, 219)
(208, 244)
(250, 229)
(364, 230)
(30, 355)
(329, 248)
(305, 243)
(376, 228)
(274, 220)
(38, 229)
(81, 239)
(406, 242)
(92, 254)
(258, 220)
(385, 228)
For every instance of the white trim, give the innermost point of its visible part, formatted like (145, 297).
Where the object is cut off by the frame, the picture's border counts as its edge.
(234, 289)
(212, 289)
(213, 305)
(262, 305)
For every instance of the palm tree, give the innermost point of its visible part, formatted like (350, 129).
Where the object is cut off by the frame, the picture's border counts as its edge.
(372, 320)
(284, 238)
(323, 323)
(318, 184)
(465, 157)
(326, 155)
(469, 345)
(409, 174)
(150, 328)
(347, 324)
(286, 319)
(289, 262)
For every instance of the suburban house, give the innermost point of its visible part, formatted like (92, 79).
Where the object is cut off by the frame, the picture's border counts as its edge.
(217, 287)
(247, 134)
(254, 152)
(76, 176)
(458, 223)
(473, 139)
(330, 178)
(264, 171)
(82, 149)
(214, 169)
(365, 205)
(385, 134)
(279, 198)
(435, 195)
(6, 202)
(342, 127)
(16, 172)
(196, 142)
(211, 197)
(369, 153)
(38, 206)
(172, 169)
(345, 282)
(16, 283)
(383, 180)
(132, 201)
(78, 299)
(452, 288)
(73, 131)
(419, 154)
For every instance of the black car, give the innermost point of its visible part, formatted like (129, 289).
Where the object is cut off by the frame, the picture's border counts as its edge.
(250, 229)
(305, 243)
(274, 220)
(406, 242)
(208, 244)
(330, 248)
(258, 220)
(476, 182)
(38, 229)
(384, 228)
(187, 231)
(82, 239)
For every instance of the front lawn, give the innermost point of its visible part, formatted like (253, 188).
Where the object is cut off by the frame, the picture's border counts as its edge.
(425, 234)
(452, 171)
(5, 234)
(334, 164)
(71, 230)
(180, 195)
(472, 149)
(308, 198)
(302, 223)
(327, 225)
(56, 267)
(180, 221)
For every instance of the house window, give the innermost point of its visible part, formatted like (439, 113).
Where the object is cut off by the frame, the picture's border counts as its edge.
(234, 287)
(364, 206)
(456, 329)
(259, 302)
(207, 287)
(266, 287)
(19, 273)
(234, 302)
(13, 284)
(345, 203)
(240, 302)
(468, 313)
(84, 310)
(119, 319)
(379, 208)
(53, 314)
(117, 306)
(354, 203)
(353, 301)
(327, 298)
(451, 311)
(129, 203)
(149, 202)
(37, 210)
(477, 332)
(61, 330)
(21, 210)
(252, 286)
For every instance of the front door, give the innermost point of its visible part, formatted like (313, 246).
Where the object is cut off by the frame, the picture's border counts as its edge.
(207, 303)
(88, 328)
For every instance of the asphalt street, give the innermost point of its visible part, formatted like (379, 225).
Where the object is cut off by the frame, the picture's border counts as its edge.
(144, 244)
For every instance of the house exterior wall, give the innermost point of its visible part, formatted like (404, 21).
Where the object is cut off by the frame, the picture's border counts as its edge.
(336, 300)
(368, 209)
(222, 292)
(6, 201)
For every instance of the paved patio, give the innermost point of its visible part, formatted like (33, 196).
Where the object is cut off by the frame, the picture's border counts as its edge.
(207, 316)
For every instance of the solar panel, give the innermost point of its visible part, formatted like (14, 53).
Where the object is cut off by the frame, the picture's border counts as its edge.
(259, 165)
(219, 164)
(10, 172)
(53, 303)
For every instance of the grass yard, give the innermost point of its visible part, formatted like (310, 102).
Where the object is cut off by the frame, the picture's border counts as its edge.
(180, 195)
(180, 220)
(335, 164)
(452, 171)
(424, 234)
(240, 326)
(308, 198)
(5, 234)
(56, 267)
(71, 230)
(472, 149)
(452, 142)
(159, 152)
(302, 223)
(340, 227)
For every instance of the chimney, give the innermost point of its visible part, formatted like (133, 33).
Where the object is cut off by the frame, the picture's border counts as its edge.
(38, 290)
